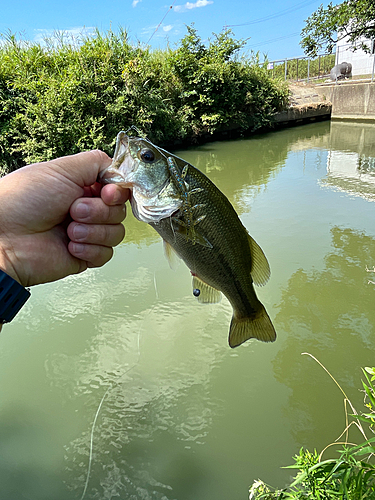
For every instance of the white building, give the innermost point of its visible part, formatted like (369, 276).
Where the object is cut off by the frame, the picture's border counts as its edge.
(362, 62)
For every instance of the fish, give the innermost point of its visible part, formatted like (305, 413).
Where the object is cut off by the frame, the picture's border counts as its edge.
(197, 223)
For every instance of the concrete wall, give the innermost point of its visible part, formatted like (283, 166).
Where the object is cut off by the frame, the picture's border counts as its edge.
(303, 113)
(352, 101)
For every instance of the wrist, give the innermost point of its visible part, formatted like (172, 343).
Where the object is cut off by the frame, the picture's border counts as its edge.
(7, 266)
(12, 297)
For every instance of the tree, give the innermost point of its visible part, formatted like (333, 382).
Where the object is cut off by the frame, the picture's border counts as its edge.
(354, 19)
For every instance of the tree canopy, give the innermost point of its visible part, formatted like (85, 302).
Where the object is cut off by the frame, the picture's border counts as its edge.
(354, 19)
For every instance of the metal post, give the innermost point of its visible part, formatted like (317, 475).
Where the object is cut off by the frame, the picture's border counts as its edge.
(297, 69)
(286, 66)
(373, 67)
(319, 67)
(308, 70)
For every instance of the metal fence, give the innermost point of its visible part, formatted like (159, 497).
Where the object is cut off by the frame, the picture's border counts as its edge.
(302, 68)
(306, 69)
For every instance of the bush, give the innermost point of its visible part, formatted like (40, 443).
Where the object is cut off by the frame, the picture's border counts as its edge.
(62, 97)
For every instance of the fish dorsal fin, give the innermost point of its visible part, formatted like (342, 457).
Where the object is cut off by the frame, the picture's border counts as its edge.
(260, 269)
(172, 257)
(208, 294)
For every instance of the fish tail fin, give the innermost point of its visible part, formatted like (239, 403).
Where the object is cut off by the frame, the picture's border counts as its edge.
(258, 326)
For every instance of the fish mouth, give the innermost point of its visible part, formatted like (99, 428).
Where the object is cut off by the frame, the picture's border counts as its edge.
(122, 164)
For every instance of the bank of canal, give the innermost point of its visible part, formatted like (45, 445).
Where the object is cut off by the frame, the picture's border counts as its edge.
(344, 100)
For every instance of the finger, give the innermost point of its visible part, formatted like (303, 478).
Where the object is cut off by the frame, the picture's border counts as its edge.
(114, 195)
(108, 235)
(82, 168)
(95, 211)
(93, 255)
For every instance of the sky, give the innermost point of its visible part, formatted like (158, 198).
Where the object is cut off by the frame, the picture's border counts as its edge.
(270, 27)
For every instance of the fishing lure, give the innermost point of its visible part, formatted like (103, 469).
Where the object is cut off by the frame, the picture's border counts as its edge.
(186, 224)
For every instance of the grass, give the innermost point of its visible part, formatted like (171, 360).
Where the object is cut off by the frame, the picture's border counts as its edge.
(350, 476)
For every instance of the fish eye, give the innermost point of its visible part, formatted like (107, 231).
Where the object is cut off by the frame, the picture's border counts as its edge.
(147, 155)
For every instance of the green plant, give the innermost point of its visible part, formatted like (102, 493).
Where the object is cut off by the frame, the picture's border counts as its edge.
(350, 476)
(350, 19)
(68, 95)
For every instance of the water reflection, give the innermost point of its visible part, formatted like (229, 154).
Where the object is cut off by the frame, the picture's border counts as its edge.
(330, 314)
(159, 409)
(351, 170)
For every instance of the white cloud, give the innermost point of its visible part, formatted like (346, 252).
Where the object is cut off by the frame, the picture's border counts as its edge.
(167, 28)
(135, 2)
(190, 5)
(75, 34)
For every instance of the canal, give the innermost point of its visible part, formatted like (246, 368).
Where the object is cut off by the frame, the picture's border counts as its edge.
(178, 414)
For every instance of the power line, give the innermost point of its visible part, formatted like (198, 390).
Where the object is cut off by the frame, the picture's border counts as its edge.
(273, 40)
(274, 16)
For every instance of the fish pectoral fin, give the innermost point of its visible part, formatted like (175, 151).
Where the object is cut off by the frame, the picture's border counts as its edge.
(259, 327)
(208, 294)
(260, 269)
(172, 257)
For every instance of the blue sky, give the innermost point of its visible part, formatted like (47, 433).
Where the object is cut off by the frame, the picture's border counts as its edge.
(272, 27)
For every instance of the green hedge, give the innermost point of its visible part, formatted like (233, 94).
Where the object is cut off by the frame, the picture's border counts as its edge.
(62, 97)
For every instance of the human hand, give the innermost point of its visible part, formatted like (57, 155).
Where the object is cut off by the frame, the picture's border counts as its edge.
(56, 220)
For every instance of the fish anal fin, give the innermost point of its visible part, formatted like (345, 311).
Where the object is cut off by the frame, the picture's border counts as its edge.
(172, 257)
(208, 294)
(260, 269)
(259, 327)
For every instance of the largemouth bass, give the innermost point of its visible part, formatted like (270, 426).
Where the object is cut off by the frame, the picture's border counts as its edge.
(199, 224)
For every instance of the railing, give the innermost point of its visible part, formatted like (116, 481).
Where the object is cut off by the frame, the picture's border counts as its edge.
(306, 69)
(302, 68)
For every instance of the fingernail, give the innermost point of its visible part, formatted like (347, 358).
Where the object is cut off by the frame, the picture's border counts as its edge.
(82, 210)
(117, 196)
(78, 248)
(80, 232)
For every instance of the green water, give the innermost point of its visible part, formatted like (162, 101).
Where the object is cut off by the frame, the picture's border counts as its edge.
(187, 417)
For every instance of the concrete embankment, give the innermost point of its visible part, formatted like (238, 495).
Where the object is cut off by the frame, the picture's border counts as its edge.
(345, 100)
(352, 100)
(307, 102)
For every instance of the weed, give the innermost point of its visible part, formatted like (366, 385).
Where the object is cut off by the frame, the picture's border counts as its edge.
(350, 476)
